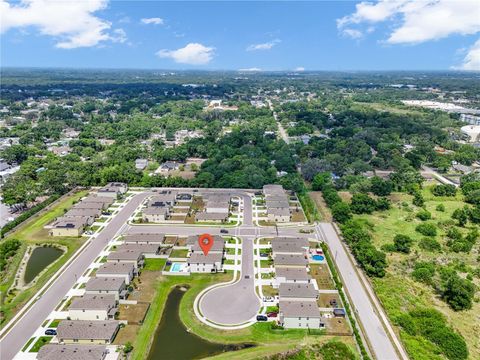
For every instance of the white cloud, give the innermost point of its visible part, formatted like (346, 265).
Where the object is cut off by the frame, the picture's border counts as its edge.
(352, 33)
(253, 69)
(415, 21)
(154, 21)
(299, 69)
(263, 46)
(193, 54)
(418, 21)
(72, 23)
(472, 59)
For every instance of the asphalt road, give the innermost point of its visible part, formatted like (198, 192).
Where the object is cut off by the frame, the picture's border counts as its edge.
(374, 330)
(21, 332)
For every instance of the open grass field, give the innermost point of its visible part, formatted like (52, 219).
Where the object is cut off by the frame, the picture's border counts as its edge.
(268, 341)
(399, 292)
(32, 232)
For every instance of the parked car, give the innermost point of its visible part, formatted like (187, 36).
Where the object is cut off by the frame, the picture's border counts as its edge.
(262, 318)
(263, 254)
(224, 231)
(51, 332)
(272, 314)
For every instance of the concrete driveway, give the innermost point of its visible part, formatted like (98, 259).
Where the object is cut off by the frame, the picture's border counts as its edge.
(236, 303)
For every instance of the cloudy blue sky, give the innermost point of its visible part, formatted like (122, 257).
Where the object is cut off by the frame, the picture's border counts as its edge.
(273, 35)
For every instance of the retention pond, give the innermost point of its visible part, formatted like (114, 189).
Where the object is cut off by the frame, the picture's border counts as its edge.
(172, 341)
(39, 259)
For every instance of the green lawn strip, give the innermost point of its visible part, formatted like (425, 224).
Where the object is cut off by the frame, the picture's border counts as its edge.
(154, 264)
(309, 207)
(25, 347)
(178, 253)
(54, 323)
(42, 340)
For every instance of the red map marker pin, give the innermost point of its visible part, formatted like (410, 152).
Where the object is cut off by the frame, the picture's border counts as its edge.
(206, 242)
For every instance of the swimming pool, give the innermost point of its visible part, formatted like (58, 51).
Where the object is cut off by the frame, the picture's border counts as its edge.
(318, 257)
(177, 267)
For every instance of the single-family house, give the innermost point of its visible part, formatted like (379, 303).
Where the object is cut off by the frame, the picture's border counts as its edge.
(105, 286)
(291, 275)
(124, 270)
(87, 332)
(141, 164)
(93, 307)
(293, 292)
(155, 214)
(300, 315)
(144, 238)
(72, 352)
(290, 260)
(200, 263)
(134, 257)
(68, 227)
(113, 189)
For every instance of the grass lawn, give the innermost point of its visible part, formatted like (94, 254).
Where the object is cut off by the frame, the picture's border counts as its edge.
(154, 264)
(27, 344)
(32, 232)
(54, 323)
(179, 253)
(399, 292)
(42, 340)
(268, 341)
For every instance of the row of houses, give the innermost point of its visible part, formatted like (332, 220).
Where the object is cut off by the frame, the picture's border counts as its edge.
(298, 294)
(217, 208)
(277, 203)
(159, 207)
(91, 324)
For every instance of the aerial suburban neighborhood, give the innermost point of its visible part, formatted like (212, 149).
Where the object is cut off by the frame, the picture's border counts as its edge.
(239, 180)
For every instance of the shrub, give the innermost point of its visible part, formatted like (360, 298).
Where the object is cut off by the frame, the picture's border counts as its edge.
(444, 190)
(424, 215)
(336, 350)
(429, 244)
(402, 243)
(424, 272)
(458, 293)
(418, 199)
(461, 215)
(427, 229)
(383, 204)
(362, 204)
(440, 207)
(8, 249)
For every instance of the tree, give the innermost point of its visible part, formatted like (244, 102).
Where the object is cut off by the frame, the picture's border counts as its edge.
(321, 180)
(427, 229)
(341, 212)
(418, 199)
(444, 190)
(362, 204)
(424, 215)
(402, 243)
(424, 272)
(381, 187)
(458, 293)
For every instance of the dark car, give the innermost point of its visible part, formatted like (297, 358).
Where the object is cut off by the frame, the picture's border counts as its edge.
(224, 231)
(262, 318)
(51, 332)
(263, 254)
(272, 314)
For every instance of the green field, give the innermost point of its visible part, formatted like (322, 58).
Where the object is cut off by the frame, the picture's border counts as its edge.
(399, 292)
(32, 232)
(268, 341)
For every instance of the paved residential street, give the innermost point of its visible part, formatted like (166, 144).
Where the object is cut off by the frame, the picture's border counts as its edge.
(14, 340)
(361, 303)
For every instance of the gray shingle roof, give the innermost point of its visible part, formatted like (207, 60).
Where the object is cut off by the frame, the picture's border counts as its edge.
(105, 283)
(82, 329)
(287, 247)
(125, 255)
(153, 238)
(299, 274)
(72, 352)
(295, 260)
(142, 248)
(291, 290)
(199, 258)
(94, 302)
(118, 268)
(307, 308)
(218, 243)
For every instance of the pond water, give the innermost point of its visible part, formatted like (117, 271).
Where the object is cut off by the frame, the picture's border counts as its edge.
(172, 341)
(39, 259)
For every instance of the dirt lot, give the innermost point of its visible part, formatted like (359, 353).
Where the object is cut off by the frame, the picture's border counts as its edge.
(126, 334)
(321, 273)
(337, 326)
(145, 289)
(171, 240)
(134, 314)
(324, 300)
(297, 215)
